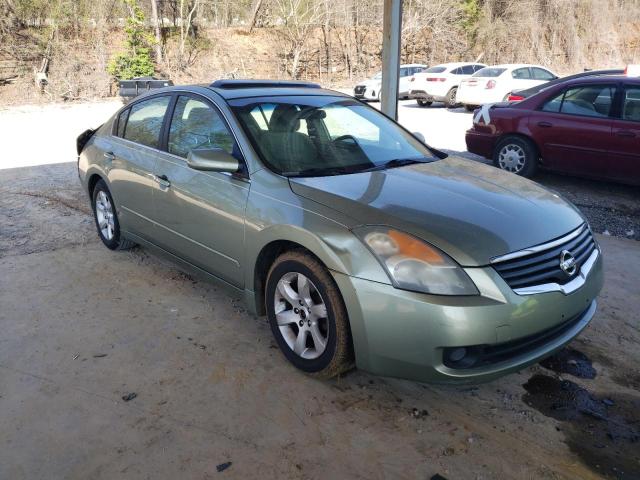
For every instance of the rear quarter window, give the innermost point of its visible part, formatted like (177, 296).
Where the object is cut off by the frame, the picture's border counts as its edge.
(121, 123)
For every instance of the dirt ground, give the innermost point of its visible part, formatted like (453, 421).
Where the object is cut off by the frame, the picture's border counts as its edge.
(83, 326)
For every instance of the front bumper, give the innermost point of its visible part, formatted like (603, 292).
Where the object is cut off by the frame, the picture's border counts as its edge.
(365, 92)
(404, 334)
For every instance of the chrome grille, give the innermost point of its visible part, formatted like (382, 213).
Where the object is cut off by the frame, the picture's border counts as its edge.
(541, 265)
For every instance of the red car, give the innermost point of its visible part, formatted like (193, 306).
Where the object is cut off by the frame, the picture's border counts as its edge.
(586, 126)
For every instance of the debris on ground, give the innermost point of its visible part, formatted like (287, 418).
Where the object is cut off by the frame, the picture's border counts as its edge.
(223, 466)
(100, 355)
(415, 413)
(129, 396)
(76, 356)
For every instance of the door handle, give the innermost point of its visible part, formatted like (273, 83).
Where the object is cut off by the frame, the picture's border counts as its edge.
(625, 133)
(545, 124)
(162, 180)
(109, 156)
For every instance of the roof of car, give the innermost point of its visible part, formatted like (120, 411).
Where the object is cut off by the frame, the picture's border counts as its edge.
(230, 89)
(516, 65)
(456, 64)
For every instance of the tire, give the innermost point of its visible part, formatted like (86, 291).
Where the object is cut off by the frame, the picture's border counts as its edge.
(424, 103)
(450, 99)
(378, 96)
(517, 155)
(106, 218)
(470, 108)
(327, 313)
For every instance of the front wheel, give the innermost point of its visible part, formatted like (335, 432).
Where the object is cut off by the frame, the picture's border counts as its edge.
(106, 218)
(307, 315)
(516, 155)
(424, 103)
(470, 108)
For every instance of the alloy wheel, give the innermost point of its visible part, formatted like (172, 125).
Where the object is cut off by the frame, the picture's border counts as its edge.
(301, 315)
(104, 215)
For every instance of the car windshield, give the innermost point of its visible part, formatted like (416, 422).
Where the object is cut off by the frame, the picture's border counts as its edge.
(489, 72)
(434, 70)
(319, 135)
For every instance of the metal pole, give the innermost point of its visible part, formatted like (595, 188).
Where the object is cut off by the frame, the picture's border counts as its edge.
(392, 28)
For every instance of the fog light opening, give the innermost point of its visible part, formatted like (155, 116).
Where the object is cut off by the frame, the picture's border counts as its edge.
(460, 357)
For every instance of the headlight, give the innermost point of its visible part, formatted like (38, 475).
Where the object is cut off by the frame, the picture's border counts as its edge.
(413, 264)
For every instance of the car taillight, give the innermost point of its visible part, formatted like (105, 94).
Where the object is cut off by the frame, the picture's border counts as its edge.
(514, 98)
(435, 79)
(490, 84)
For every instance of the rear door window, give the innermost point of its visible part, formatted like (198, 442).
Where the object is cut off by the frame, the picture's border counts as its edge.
(521, 73)
(542, 74)
(145, 121)
(631, 107)
(585, 101)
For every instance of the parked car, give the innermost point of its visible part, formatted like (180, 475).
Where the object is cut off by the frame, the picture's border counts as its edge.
(358, 241)
(370, 89)
(587, 126)
(440, 83)
(493, 84)
(517, 95)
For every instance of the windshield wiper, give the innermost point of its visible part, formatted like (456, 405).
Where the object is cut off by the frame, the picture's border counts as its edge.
(319, 172)
(397, 162)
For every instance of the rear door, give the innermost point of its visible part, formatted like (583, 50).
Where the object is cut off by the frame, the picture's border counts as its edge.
(132, 158)
(624, 163)
(573, 129)
(200, 214)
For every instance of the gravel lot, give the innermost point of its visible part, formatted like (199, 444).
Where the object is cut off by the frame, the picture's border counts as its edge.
(83, 327)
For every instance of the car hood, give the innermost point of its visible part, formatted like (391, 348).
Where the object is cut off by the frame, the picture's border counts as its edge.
(471, 211)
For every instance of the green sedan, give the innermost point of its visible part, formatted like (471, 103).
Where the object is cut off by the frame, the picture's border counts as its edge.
(361, 244)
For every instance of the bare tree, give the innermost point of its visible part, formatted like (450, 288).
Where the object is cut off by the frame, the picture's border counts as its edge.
(155, 20)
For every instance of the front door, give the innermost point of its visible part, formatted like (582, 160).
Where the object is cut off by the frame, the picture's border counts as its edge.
(573, 129)
(624, 155)
(200, 215)
(131, 156)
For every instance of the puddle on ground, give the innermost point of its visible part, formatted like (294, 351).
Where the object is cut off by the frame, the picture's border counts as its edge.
(604, 431)
(572, 362)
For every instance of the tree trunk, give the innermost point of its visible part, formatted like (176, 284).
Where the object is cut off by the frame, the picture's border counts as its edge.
(257, 4)
(156, 29)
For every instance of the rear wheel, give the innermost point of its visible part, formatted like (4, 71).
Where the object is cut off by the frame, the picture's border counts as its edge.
(307, 315)
(424, 103)
(516, 155)
(106, 218)
(450, 99)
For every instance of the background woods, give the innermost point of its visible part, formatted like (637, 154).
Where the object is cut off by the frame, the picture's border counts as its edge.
(77, 47)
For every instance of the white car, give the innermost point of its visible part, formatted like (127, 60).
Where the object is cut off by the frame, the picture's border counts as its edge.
(440, 83)
(370, 89)
(493, 84)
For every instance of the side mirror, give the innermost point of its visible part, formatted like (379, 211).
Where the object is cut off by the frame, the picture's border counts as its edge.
(212, 160)
(419, 136)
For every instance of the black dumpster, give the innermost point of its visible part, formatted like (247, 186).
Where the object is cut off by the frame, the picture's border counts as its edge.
(130, 89)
